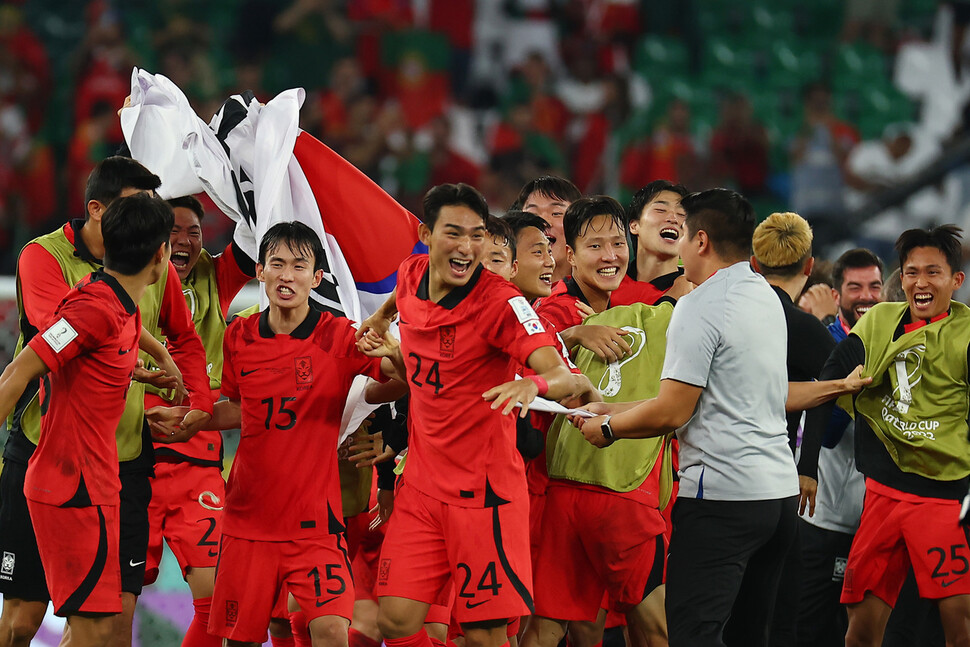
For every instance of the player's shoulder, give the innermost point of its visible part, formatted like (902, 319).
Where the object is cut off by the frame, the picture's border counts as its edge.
(413, 265)
(244, 323)
(335, 333)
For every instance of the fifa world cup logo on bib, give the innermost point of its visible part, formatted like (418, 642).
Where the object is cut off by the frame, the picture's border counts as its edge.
(903, 393)
(613, 377)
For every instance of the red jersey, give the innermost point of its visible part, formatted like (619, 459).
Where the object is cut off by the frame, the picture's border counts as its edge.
(205, 447)
(90, 348)
(473, 339)
(292, 389)
(42, 287)
(649, 292)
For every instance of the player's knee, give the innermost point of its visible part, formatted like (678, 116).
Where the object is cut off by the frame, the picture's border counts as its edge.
(24, 626)
(329, 631)
(394, 624)
(486, 634)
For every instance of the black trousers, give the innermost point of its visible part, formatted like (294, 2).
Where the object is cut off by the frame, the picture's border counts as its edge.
(723, 570)
(822, 620)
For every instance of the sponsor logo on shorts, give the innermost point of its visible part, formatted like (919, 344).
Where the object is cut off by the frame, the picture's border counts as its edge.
(135, 564)
(304, 370)
(838, 573)
(59, 335)
(232, 613)
(6, 567)
(446, 341)
(383, 571)
(946, 584)
(472, 605)
(320, 603)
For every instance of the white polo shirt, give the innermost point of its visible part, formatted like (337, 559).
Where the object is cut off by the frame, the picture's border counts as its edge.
(729, 336)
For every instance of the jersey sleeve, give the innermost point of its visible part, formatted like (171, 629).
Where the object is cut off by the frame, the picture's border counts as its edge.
(359, 363)
(42, 285)
(184, 343)
(560, 310)
(233, 271)
(78, 326)
(515, 328)
(690, 350)
(229, 388)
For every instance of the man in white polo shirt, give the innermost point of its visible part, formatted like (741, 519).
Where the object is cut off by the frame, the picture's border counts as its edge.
(724, 389)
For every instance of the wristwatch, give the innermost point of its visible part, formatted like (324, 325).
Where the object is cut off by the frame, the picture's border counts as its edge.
(607, 430)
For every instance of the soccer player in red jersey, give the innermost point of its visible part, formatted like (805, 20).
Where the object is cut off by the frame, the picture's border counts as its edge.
(598, 252)
(72, 483)
(548, 197)
(47, 269)
(286, 373)
(188, 488)
(463, 513)
(656, 222)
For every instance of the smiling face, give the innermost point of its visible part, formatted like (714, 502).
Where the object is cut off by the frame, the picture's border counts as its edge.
(186, 241)
(454, 247)
(288, 276)
(928, 282)
(536, 264)
(552, 211)
(861, 289)
(497, 258)
(600, 256)
(660, 227)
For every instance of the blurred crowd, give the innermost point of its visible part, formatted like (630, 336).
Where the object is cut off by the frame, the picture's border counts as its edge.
(609, 93)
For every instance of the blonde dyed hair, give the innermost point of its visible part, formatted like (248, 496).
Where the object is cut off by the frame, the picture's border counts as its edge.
(782, 243)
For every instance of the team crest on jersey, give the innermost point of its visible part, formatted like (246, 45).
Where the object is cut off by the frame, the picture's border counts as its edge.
(446, 341)
(304, 370)
(384, 571)
(6, 567)
(232, 613)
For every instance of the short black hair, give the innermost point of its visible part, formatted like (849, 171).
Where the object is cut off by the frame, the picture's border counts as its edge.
(133, 228)
(550, 186)
(191, 203)
(297, 237)
(645, 196)
(500, 230)
(726, 216)
(115, 173)
(519, 220)
(946, 238)
(582, 211)
(857, 258)
(452, 195)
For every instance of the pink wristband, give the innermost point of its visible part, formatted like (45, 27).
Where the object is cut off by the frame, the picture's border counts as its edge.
(540, 382)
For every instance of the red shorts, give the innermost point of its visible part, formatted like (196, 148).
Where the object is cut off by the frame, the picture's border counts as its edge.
(537, 502)
(484, 550)
(603, 543)
(252, 575)
(898, 530)
(186, 510)
(79, 550)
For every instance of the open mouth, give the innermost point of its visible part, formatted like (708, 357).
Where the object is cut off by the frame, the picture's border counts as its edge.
(546, 278)
(180, 259)
(284, 291)
(459, 266)
(862, 309)
(670, 233)
(922, 300)
(608, 271)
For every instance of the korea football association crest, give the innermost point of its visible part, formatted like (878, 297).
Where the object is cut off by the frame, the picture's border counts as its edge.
(446, 341)
(6, 567)
(304, 371)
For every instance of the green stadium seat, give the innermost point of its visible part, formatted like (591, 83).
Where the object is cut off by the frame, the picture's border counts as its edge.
(657, 56)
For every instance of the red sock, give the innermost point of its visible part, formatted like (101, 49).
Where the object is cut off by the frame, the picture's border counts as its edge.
(357, 639)
(301, 632)
(420, 639)
(198, 634)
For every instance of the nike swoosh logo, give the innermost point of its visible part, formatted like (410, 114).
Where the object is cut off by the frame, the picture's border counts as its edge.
(327, 601)
(245, 373)
(946, 584)
(123, 351)
(133, 564)
(469, 605)
(213, 553)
